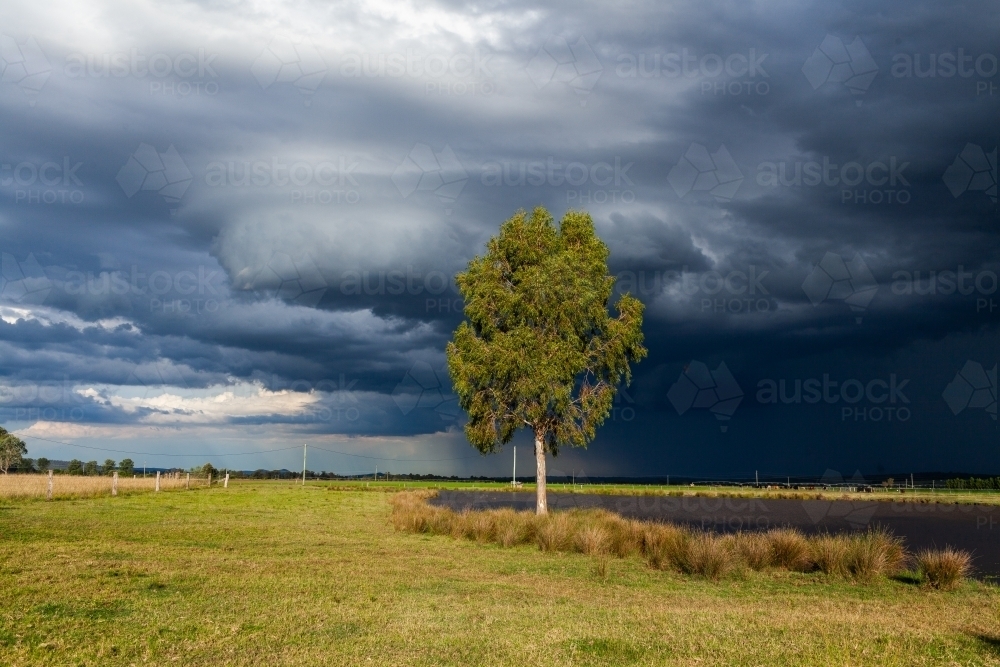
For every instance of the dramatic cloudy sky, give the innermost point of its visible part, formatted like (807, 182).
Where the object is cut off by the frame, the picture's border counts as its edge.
(231, 227)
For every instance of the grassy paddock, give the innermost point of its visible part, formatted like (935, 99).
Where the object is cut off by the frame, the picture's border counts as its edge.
(78, 486)
(270, 573)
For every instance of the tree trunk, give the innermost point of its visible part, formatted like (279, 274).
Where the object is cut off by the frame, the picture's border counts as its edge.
(541, 500)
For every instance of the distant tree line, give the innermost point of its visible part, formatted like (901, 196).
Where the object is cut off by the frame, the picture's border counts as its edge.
(84, 468)
(975, 483)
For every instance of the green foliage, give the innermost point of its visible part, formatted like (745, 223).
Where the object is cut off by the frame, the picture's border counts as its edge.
(90, 468)
(75, 467)
(108, 467)
(539, 348)
(126, 467)
(12, 449)
(975, 484)
(42, 464)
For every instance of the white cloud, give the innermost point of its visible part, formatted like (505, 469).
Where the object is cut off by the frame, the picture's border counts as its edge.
(50, 316)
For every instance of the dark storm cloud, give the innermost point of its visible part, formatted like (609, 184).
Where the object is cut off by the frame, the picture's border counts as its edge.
(280, 203)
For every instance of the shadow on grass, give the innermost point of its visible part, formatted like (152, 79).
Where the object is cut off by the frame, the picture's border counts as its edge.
(604, 651)
(989, 642)
(911, 578)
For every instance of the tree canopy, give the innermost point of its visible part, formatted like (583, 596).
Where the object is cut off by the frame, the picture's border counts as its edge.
(12, 449)
(539, 348)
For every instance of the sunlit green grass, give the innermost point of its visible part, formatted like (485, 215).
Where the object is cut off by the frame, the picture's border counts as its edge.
(269, 573)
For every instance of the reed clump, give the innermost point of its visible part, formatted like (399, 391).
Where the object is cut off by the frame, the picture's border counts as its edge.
(944, 569)
(863, 557)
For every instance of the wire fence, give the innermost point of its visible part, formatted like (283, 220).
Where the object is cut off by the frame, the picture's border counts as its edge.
(80, 486)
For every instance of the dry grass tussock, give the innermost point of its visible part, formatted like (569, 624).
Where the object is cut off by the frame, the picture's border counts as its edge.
(863, 557)
(72, 486)
(943, 569)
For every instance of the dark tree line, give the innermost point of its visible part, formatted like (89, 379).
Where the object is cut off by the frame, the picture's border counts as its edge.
(975, 483)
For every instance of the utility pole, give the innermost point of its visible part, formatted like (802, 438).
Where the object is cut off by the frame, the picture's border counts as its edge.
(513, 478)
(756, 478)
(305, 448)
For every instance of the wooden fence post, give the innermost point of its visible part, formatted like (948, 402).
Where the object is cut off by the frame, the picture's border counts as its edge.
(48, 496)
(114, 484)
(226, 485)
(210, 479)
(189, 481)
(157, 480)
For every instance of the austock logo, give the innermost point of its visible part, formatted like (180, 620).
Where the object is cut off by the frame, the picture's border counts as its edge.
(23, 282)
(875, 400)
(288, 61)
(857, 514)
(734, 74)
(460, 73)
(701, 171)
(872, 177)
(164, 173)
(424, 387)
(835, 62)
(982, 66)
(836, 280)
(25, 65)
(973, 388)
(297, 280)
(698, 387)
(189, 73)
(48, 182)
(974, 170)
(575, 65)
(424, 170)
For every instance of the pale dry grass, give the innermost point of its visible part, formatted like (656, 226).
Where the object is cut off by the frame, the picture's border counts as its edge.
(830, 555)
(754, 549)
(666, 546)
(556, 531)
(874, 554)
(73, 486)
(790, 550)
(710, 556)
(944, 569)
(592, 540)
(865, 557)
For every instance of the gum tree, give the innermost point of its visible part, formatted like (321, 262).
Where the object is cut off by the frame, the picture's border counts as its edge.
(12, 449)
(539, 348)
